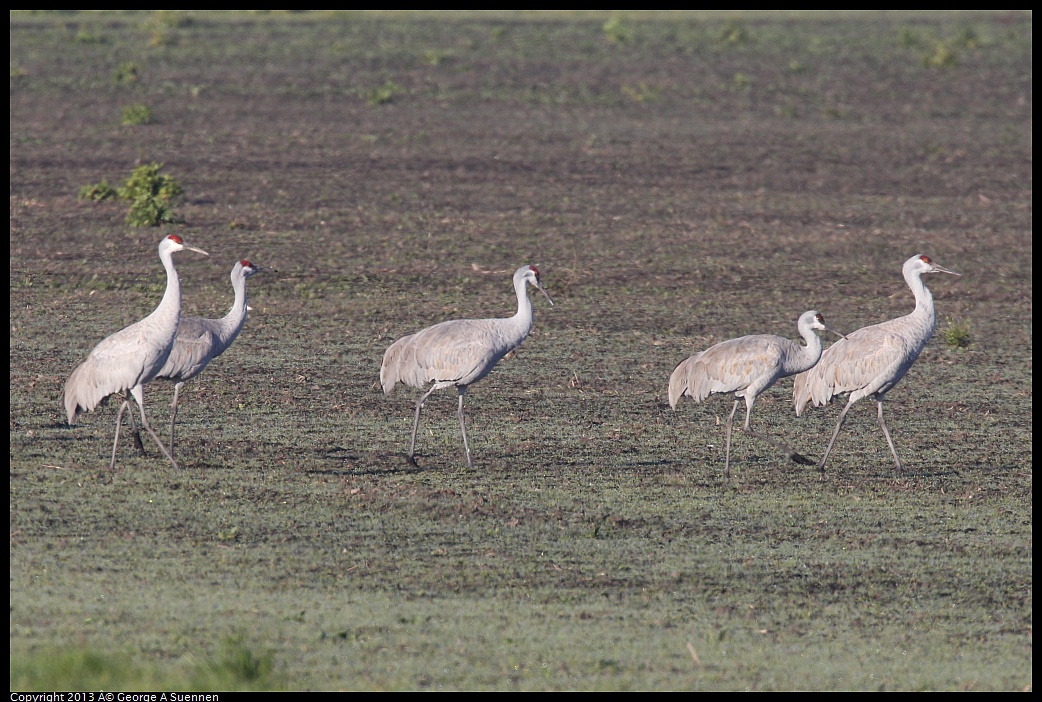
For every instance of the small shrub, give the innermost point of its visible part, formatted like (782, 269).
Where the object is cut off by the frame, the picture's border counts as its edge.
(125, 74)
(943, 56)
(641, 92)
(432, 57)
(171, 19)
(86, 36)
(136, 114)
(382, 95)
(615, 30)
(98, 191)
(957, 335)
(734, 32)
(151, 196)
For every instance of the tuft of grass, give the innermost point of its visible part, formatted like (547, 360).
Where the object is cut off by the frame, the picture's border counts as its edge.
(136, 114)
(734, 32)
(616, 30)
(957, 335)
(78, 668)
(86, 36)
(164, 25)
(942, 56)
(235, 665)
(383, 94)
(98, 191)
(641, 92)
(125, 74)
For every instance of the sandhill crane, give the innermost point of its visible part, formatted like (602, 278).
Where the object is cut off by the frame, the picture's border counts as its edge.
(131, 357)
(200, 340)
(871, 360)
(747, 366)
(459, 352)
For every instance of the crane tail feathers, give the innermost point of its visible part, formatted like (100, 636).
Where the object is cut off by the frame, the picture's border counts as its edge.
(678, 382)
(395, 358)
(810, 387)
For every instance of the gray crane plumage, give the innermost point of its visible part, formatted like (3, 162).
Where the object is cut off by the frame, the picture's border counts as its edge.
(747, 366)
(200, 340)
(872, 360)
(458, 353)
(123, 362)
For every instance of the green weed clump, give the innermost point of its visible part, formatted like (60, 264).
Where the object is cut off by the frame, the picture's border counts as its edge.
(125, 73)
(957, 335)
(233, 666)
(86, 36)
(382, 95)
(98, 191)
(151, 195)
(136, 114)
(734, 33)
(616, 31)
(942, 56)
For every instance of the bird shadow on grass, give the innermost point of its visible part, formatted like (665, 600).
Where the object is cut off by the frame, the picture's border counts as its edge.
(376, 464)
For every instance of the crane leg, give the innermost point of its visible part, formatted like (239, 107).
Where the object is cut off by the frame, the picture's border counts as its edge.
(727, 442)
(119, 423)
(784, 448)
(136, 391)
(463, 427)
(134, 431)
(828, 450)
(886, 433)
(416, 424)
(173, 415)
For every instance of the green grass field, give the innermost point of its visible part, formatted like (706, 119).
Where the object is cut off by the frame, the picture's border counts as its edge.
(679, 179)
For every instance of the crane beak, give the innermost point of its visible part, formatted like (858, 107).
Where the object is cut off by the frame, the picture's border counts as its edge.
(189, 247)
(942, 269)
(841, 336)
(543, 290)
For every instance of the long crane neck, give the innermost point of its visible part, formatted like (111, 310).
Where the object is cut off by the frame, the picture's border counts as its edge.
(924, 310)
(231, 324)
(523, 319)
(806, 356)
(169, 309)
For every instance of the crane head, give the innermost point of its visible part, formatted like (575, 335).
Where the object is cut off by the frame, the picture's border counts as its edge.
(249, 269)
(924, 264)
(531, 275)
(175, 243)
(819, 323)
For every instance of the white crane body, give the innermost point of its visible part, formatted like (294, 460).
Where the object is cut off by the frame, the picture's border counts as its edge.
(199, 340)
(747, 366)
(124, 361)
(458, 352)
(873, 359)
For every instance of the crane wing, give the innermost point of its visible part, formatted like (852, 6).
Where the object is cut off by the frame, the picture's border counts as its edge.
(867, 361)
(455, 352)
(730, 366)
(194, 347)
(119, 362)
